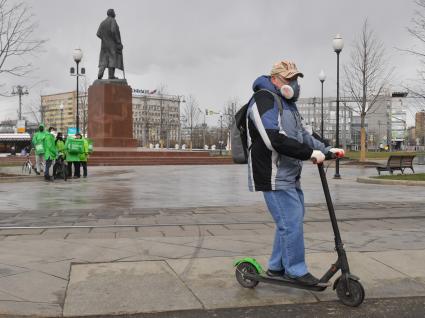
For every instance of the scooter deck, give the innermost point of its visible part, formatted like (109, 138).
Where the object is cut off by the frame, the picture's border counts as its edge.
(285, 282)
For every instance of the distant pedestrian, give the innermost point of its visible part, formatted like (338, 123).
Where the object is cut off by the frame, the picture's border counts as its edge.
(84, 156)
(37, 142)
(73, 152)
(49, 152)
(60, 152)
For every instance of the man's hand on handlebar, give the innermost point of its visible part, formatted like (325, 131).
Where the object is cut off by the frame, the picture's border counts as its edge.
(334, 153)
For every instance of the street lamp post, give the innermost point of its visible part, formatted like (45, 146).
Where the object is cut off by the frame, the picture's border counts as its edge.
(182, 120)
(77, 55)
(20, 91)
(322, 78)
(221, 133)
(338, 44)
(61, 109)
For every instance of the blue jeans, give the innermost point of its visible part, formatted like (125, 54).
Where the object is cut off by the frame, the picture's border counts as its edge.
(287, 210)
(48, 164)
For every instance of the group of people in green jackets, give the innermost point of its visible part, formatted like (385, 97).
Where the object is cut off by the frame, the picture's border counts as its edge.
(51, 147)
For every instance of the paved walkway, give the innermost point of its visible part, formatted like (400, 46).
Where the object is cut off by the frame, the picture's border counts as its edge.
(95, 249)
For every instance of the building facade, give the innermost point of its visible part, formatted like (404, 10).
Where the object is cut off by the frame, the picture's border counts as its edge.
(59, 110)
(156, 117)
(385, 123)
(310, 110)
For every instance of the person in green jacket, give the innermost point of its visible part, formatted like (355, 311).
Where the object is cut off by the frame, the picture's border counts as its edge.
(84, 156)
(49, 152)
(37, 142)
(60, 150)
(72, 158)
(60, 145)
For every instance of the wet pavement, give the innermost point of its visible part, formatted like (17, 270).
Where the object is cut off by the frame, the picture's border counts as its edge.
(184, 186)
(182, 227)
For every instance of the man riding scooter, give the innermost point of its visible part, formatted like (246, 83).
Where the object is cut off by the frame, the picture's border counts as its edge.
(278, 143)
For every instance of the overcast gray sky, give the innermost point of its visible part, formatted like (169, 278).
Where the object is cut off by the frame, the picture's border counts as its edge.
(212, 49)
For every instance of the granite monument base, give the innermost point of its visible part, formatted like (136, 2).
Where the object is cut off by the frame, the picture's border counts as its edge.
(110, 114)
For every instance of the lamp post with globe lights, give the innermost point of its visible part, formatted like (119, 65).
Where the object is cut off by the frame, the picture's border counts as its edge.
(322, 78)
(61, 109)
(338, 44)
(20, 90)
(77, 55)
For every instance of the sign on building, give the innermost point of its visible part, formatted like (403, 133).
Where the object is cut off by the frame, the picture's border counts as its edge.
(72, 131)
(20, 126)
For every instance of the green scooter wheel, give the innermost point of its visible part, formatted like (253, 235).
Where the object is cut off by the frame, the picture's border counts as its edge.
(246, 268)
(353, 295)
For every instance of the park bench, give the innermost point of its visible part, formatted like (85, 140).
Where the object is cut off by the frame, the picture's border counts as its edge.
(397, 162)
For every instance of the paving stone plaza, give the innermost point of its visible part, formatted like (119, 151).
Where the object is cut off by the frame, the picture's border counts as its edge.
(164, 238)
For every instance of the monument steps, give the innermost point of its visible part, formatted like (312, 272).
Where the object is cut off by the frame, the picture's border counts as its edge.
(140, 158)
(146, 153)
(156, 158)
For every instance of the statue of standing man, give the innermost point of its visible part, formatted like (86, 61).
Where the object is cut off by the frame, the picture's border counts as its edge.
(111, 49)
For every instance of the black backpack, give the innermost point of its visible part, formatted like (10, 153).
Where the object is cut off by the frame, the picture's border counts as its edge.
(239, 131)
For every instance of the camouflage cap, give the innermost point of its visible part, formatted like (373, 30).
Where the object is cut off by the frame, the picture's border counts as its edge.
(285, 68)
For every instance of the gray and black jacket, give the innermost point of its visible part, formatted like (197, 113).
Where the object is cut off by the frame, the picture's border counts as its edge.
(277, 143)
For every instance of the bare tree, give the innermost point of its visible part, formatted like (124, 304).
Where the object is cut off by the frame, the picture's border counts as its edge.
(417, 32)
(191, 113)
(229, 115)
(83, 104)
(366, 76)
(230, 110)
(162, 90)
(35, 113)
(17, 32)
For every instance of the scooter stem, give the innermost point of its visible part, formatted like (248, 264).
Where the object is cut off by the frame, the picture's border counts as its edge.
(338, 241)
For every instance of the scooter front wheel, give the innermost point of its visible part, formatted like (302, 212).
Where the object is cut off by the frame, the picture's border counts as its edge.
(351, 295)
(246, 268)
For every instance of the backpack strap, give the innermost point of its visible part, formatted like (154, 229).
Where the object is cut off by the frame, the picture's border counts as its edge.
(276, 98)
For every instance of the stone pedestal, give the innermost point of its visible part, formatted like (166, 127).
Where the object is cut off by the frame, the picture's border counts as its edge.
(110, 114)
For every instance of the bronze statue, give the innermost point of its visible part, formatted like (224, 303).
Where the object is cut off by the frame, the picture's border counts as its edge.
(111, 49)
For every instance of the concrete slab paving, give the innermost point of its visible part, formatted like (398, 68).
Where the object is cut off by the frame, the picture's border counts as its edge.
(378, 279)
(8, 270)
(57, 268)
(26, 308)
(38, 287)
(129, 287)
(5, 296)
(410, 263)
(213, 281)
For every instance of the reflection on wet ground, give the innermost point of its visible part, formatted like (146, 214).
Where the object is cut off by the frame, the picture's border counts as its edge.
(185, 186)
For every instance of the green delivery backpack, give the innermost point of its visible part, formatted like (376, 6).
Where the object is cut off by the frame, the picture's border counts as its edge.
(76, 146)
(39, 149)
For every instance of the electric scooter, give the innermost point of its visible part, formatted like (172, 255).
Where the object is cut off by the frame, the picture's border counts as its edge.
(348, 287)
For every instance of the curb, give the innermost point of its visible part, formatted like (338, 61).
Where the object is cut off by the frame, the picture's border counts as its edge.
(390, 182)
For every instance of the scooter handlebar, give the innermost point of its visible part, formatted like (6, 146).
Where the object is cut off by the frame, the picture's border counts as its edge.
(334, 155)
